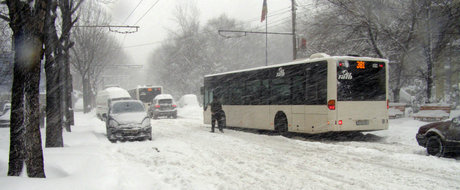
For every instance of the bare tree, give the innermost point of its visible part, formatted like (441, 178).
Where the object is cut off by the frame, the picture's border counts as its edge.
(27, 23)
(6, 70)
(94, 48)
(381, 28)
(57, 70)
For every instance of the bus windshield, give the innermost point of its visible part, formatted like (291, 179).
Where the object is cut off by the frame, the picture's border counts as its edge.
(361, 81)
(146, 95)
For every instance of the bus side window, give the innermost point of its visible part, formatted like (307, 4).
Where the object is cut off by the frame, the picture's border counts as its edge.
(280, 92)
(316, 84)
(264, 92)
(252, 92)
(298, 90)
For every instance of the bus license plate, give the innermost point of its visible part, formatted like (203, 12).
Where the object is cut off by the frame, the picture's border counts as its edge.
(362, 122)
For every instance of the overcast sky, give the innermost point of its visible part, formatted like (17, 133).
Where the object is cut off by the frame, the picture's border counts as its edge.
(156, 22)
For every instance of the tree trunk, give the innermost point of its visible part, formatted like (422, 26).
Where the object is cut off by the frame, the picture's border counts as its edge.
(17, 129)
(86, 95)
(53, 113)
(34, 152)
(53, 93)
(27, 26)
(396, 94)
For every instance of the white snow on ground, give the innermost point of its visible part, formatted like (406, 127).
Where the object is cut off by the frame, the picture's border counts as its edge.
(185, 155)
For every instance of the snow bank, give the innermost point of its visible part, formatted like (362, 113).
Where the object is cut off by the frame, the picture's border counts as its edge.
(184, 155)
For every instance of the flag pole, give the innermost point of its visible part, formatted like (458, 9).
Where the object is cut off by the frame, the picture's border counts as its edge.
(266, 40)
(265, 17)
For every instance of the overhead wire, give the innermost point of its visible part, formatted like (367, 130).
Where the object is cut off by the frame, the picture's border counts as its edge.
(147, 12)
(274, 13)
(133, 11)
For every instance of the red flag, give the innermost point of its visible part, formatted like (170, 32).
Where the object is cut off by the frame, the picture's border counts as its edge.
(264, 11)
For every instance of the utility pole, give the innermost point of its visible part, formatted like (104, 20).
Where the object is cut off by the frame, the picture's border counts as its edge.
(294, 44)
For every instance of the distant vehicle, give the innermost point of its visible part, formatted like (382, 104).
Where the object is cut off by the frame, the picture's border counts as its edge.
(188, 100)
(6, 107)
(163, 105)
(128, 120)
(316, 95)
(106, 96)
(441, 137)
(145, 93)
(5, 118)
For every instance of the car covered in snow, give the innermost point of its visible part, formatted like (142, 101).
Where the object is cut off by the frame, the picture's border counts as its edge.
(5, 118)
(163, 105)
(106, 96)
(6, 107)
(188, 100)
(128, 120)
(440, 138)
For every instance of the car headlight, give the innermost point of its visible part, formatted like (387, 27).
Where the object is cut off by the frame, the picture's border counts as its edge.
(146, 122)
(113, 123)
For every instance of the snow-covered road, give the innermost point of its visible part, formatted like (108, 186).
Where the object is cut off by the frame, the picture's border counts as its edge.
(184, 155)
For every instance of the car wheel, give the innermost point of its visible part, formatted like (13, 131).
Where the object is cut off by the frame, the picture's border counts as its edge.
(434, 146)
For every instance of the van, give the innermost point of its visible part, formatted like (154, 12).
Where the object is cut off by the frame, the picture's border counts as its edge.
(106, 96)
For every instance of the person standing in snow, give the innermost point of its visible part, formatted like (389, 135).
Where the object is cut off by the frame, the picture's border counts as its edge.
(216, 114)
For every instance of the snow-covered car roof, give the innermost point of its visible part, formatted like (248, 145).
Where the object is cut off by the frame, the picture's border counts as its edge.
(116, 92)
(118, 101)
(7, 106)
(6, 116)
(163, 96)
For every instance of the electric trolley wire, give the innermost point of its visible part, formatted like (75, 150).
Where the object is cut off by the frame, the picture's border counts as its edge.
(145, 44)
(132, 11)
(147, 12)
(274, 13)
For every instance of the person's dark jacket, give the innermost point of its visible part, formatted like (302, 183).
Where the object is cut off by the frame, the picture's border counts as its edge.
(216, 106)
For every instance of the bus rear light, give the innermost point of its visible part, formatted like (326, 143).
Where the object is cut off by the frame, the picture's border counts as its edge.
(340, 122)
(173, 105)
(331, 104)
(157, 106)
(388, 104)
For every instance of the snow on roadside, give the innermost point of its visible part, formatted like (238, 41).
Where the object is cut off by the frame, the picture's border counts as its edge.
(184, 155)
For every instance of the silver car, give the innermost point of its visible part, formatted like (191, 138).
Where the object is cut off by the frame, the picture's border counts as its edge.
(5, 118)
(128, 120)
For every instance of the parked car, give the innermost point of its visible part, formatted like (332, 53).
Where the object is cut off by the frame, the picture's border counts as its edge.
(163, 105)
(6, 107)
(441, 137)
(5, 119)
(128, 120)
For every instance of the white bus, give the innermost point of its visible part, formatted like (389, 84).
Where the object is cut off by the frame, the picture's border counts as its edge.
(146, 94)
(316, 95)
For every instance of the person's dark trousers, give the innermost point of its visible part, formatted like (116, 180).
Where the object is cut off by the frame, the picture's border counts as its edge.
(216, 118)
(213, 122)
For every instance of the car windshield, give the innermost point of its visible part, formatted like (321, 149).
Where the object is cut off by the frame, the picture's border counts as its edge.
(124, 107)
(165, 101)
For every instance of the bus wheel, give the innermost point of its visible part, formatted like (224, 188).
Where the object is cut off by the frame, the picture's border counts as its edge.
(281, 123)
